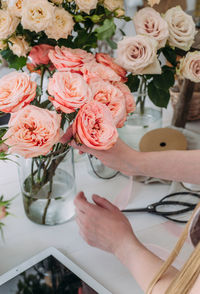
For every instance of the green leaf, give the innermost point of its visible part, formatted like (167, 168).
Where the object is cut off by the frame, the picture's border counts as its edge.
(112, 44)
(159, 97)
(13, 60)
(133, 82)
(165, 80)
(170, 55)
(107, 30)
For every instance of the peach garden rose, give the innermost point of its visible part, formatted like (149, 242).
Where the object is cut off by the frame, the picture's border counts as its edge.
(129, 99)
(138, 55)
(65, 59)
(33, 131)
(68, 91)
(16, 91)
(190, 66)
(95, 127)
(148, 21)
(107, 60)
(112, 97)
(94, 69)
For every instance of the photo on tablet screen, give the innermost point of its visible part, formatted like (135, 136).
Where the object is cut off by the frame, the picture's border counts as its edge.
(49, 276)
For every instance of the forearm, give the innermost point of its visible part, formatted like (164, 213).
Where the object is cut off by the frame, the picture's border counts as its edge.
(172, 165)
(144, 265)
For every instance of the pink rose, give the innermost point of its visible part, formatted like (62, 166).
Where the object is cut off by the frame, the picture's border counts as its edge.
(149, 22)
(16, 91)
(106, 60)
(2, 212)
(33, 131)
(112, 97)
(69, 91)
(65, 59)
(39, 54)
(94, 69)
(94, 126)
(3, 147)
(130, 102)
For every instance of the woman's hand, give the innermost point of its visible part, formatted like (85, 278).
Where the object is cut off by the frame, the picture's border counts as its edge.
(103, 225)
(120, 157)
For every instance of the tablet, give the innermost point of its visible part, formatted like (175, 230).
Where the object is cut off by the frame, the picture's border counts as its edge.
(49, 272)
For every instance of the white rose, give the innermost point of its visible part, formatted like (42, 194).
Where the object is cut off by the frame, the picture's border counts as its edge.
(181, 28)
(8, 24)
(15, 7)
(61, 26)
(149, 22)
(190, 66)
(138, 55)
(19, 46)
(86, 5)
(57, 1)
(37, 15)
(153, 2)
(113, 4)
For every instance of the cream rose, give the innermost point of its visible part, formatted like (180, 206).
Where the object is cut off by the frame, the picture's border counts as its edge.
(138, 55)
(69, 91)
(113, 4)
(33, 131)
(86, 5)
(153, 2)
(149, 22)
(37, 15)
(8, 24)
(16, 91)
(15, 7)
(3, 45)
(57, 1)
(61, 26)
(181, 28)
(19, 46)
(190, 66)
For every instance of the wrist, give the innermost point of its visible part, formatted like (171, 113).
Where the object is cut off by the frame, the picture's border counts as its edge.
(136, 163)
(127, 249)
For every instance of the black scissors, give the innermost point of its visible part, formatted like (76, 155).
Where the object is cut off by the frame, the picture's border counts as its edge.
(170, 202)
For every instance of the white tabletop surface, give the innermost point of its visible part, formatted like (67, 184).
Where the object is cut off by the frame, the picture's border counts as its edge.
(24, 238)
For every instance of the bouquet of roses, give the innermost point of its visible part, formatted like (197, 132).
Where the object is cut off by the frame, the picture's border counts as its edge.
(171, 36)
(85, 90)
(74, 24)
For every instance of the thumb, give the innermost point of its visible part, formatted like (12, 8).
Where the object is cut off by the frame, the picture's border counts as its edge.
(102, 202)
(67, 136)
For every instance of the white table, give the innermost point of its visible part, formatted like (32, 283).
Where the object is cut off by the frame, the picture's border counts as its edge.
(25, 239)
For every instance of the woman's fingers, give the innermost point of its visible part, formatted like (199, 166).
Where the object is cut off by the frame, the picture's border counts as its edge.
(102, 202)
(67, 136)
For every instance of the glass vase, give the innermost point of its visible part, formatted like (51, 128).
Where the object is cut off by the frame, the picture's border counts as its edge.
(48, 187)
(145, 118)
(99, 170)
